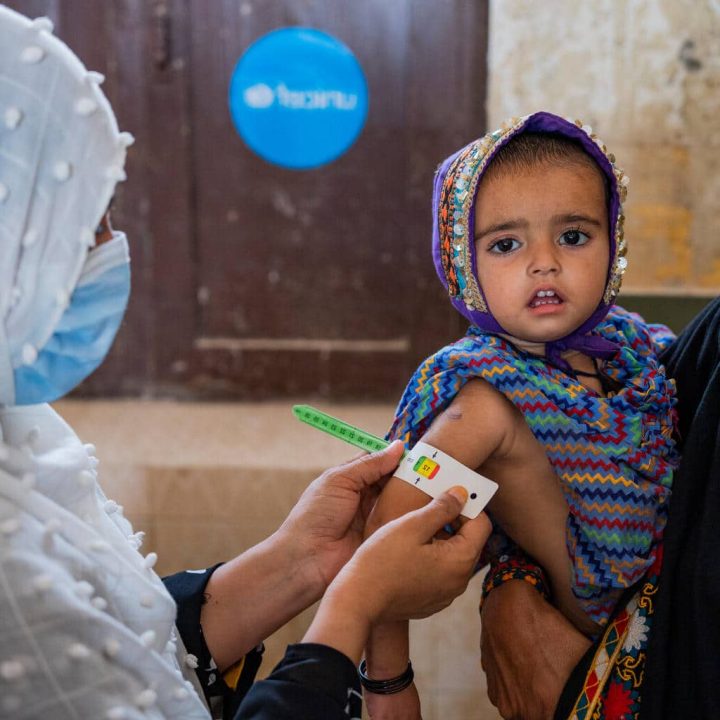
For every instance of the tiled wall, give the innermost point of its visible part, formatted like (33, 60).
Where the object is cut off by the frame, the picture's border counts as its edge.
(650, 93)
(206, 481)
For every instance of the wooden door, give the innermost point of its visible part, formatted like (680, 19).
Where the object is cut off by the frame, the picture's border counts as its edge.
(253, 281)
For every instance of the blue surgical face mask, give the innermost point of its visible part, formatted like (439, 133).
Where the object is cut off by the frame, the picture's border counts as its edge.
(85, 331)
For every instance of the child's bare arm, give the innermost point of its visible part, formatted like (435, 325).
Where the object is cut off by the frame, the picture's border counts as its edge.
(477, 424)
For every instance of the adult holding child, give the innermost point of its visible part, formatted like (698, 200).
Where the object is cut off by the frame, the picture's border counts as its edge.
(537, 663)
(654, 657)
(87, 627)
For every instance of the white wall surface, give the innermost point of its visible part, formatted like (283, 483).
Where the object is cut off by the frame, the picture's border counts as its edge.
(646, 75)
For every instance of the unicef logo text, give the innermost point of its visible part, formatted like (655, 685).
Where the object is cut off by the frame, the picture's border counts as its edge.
(262, 96)
(259, 96)
(298, 97)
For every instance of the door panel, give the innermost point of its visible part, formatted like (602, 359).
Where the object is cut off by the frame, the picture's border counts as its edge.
(250, 280)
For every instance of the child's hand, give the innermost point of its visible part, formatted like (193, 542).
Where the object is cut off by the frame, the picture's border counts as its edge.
(404, 705)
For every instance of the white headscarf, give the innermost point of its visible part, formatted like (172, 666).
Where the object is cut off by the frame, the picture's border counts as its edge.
(61, 155)
(86, 626)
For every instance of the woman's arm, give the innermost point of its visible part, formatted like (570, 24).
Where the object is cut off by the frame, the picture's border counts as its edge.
(528, 650)
(251, 596)
(399, 573)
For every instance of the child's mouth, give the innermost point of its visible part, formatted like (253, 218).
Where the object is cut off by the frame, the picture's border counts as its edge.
(545, 297)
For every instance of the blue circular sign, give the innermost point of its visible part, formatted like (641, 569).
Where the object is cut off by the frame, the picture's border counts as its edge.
(298, 97)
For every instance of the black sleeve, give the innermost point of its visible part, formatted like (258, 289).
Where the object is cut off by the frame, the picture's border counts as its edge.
(312, 682)
(188, 591)
(682, 675)
(693, 362)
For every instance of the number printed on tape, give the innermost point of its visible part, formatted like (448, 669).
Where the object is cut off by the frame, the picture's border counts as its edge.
(433, 471)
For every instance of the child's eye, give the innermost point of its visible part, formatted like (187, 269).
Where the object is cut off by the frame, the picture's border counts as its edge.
(503, 246)
(574, 238)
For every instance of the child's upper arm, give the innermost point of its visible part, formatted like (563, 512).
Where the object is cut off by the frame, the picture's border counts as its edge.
(475, 425)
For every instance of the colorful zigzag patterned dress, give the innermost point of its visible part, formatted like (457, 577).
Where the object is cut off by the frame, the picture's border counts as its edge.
(614, 455)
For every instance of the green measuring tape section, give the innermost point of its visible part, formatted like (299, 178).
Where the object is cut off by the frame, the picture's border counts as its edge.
(339, 429)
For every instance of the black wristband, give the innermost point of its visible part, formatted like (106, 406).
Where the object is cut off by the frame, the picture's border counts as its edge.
(386, 687)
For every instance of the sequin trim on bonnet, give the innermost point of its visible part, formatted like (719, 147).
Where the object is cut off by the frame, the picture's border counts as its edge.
(455, 190)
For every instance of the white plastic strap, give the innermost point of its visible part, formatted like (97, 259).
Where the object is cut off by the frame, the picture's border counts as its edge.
(433, 471)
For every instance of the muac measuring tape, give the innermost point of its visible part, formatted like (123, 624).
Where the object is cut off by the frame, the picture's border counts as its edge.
(425, 467)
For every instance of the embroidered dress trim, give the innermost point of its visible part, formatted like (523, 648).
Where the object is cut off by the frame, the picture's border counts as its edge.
(613, 683)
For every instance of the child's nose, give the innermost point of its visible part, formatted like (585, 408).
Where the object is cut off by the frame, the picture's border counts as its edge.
(544, 259)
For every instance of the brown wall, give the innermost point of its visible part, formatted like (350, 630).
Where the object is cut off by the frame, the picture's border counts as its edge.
(250, 280)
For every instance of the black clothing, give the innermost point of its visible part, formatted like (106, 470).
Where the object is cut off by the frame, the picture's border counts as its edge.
(682, 667)
(188, 591)
(312, 682)
(683, 661)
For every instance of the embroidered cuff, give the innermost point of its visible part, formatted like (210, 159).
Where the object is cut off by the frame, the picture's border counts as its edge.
(515, 567)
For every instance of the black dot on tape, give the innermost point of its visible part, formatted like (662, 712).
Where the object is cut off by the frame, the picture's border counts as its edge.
(473, 496)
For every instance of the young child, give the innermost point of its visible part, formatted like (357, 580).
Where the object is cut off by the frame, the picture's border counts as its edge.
(555, 393)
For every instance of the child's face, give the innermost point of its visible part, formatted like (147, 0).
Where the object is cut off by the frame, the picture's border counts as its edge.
(542, 247)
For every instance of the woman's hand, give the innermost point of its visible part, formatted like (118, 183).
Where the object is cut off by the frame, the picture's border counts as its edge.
(281, 576)
(326, 525)
(413, 574)
(400, 572)
(528, 650)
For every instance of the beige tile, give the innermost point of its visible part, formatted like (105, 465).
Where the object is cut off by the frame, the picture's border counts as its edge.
(260, 497)
(449, 705)
(183, 545)
(183, 493)
(127, 485)
(446, 657)
(458, 654)
(206, 515)
(169, 433)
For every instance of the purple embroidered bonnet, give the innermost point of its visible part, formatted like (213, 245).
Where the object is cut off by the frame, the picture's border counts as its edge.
(455, 190)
